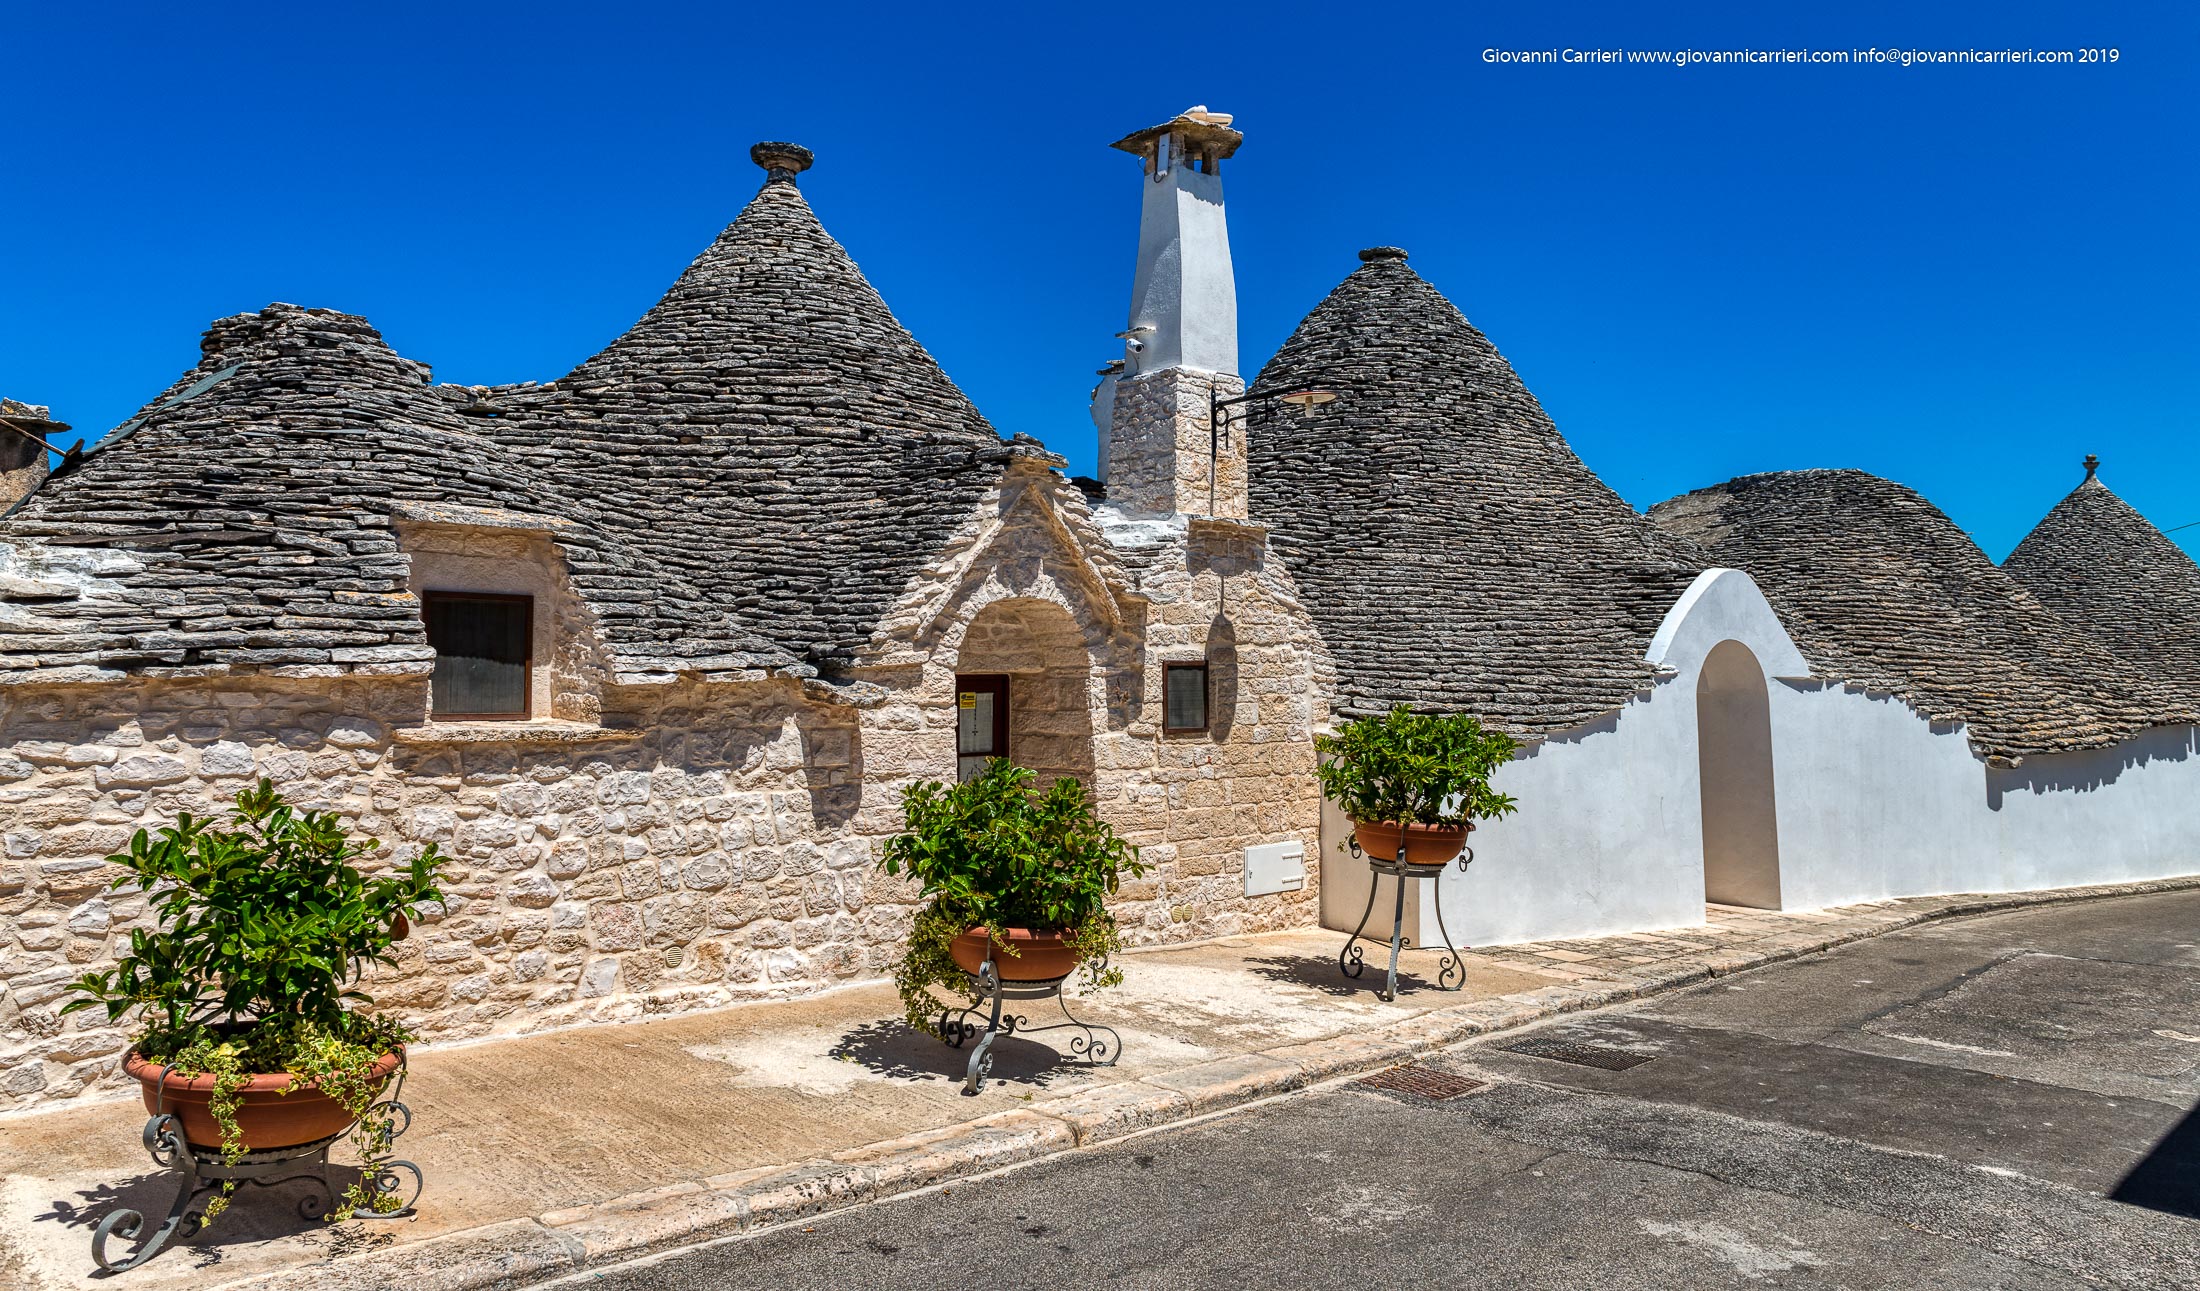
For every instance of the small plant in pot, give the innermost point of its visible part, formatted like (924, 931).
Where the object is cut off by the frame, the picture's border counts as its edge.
(1414, 781)
(1011, 873)
(254, 1034)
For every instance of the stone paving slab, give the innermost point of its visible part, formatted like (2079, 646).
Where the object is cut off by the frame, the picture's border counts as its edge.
(549, 1154)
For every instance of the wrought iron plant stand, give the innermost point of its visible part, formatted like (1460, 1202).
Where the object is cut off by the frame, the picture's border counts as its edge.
(1098, 1045)
(200, 1169)
(1350, 960)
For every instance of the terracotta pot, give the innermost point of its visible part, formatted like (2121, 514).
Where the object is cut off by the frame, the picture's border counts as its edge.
(1425, 844)
(266, 1116)
(1039, 957)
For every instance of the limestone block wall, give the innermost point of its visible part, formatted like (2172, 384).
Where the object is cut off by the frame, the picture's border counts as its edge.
(1163, 455)
(702, 843)
(1195, 802)
(1031, 566)
(705, 854)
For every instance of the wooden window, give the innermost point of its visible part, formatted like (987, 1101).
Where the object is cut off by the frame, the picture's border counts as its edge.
(1184, 697)
(484, 652)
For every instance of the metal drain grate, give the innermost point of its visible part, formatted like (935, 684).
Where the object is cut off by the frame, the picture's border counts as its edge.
(1421, 1082)
(1581, 1055)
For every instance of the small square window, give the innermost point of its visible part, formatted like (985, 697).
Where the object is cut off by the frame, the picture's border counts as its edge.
(484, 649)
(1184, 697)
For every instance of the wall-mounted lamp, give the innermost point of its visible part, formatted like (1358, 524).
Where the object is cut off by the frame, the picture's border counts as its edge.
(1308, 401)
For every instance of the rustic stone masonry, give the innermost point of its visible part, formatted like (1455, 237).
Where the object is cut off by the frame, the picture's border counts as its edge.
(698, 843)
(1881, 591)
(699, 855)
(1455, 552)
(1165, 453)
(1035, 576)
(2118, 579)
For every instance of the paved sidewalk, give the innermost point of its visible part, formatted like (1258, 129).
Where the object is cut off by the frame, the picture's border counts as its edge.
(551, 1152)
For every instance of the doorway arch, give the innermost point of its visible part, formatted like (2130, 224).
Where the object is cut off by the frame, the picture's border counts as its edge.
(1035, 653)
(1741, 831)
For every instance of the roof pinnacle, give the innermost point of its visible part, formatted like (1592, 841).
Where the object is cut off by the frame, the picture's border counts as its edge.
(2092, 465)
(781, 161)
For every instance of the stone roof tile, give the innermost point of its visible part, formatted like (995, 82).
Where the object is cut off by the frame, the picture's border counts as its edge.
(2101, 565)
(245, 517)
(746, 478)
(770, 432)
(1879, 589)
(1454, 552)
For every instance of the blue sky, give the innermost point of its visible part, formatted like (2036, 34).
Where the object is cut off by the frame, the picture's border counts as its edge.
(1964, 278)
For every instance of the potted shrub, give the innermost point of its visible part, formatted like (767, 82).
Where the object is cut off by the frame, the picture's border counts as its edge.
(1414, 780)
(1008, 873)
(254, 1034)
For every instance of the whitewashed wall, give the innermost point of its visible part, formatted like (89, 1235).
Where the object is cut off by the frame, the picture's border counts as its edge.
(1608, 838)
(1873, 801)
(1876, 802)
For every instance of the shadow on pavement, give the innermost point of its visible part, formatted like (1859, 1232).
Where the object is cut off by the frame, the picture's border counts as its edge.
(1323, 974)
(2167, 1178)
(255, 1214)
(893, 1049)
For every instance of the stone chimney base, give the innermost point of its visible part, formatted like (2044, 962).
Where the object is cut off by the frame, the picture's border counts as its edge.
(1162, 458)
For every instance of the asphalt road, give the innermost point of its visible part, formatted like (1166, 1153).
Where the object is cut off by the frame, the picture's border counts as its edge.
(1954, 1106)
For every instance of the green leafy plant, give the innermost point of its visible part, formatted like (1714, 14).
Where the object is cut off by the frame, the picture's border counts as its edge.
(263, 926)
(994, 851)
(1413, 768)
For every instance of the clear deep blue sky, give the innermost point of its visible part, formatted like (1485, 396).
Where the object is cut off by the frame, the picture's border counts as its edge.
(1964, 278)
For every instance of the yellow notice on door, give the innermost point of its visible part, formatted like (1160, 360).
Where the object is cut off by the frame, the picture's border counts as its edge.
(967, 699)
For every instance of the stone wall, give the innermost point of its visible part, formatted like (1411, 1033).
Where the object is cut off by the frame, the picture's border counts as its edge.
(651, 848)
(1162, 455)
(1177, 590)
(1195, 802)
(703, 856)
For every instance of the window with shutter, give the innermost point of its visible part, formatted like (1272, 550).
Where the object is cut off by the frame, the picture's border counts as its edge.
(484, 646)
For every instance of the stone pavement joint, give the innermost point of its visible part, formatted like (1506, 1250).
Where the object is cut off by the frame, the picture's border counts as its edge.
(518, 1252)
(1226, 1082)
(511, 1254)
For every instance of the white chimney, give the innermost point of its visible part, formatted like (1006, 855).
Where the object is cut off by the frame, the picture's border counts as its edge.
(1180, 347)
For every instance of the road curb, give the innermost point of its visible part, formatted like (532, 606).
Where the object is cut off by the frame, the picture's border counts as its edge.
(520, 1252)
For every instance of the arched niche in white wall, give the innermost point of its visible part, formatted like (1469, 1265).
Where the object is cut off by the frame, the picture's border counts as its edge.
(1723, 605)
(1741, 827)
(1722, 642)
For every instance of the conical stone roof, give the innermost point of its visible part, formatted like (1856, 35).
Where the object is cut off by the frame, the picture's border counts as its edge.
(1881, 590)
(772, 434)
(1454, 552)
(2101, 565)
(244, 517)
(745, 479)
